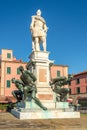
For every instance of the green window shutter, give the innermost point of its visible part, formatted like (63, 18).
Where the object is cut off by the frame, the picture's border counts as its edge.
(58, 73)
(8, 83)
(18, 71)
(9, 55)
(8, 70)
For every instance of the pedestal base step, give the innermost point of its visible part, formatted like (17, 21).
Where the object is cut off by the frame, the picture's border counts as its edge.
(41, 114)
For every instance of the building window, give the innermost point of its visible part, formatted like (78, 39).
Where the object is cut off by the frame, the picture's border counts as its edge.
(86, 88)
(69, 90)
(9, 55)
(18, 71)
(58, 73)
(8, 83)
(69, 83)
(8, 70)
(85, 79)
(77, 81)
(78, 90)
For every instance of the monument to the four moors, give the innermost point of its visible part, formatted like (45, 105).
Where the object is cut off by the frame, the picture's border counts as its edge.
(38, 96)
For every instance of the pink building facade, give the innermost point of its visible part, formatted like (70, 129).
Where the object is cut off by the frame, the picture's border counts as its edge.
(59, 70)
(78, 86)
(9, 69)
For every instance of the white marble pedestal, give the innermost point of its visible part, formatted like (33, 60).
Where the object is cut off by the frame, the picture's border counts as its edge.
(32, 111)
(41, 114)
(39, 64)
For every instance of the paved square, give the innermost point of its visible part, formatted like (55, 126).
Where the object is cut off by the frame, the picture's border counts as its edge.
(9, 122)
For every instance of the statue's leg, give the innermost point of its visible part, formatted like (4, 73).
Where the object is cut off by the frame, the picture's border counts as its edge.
(15, 93)
(61, 97)
(20, 95)
(65, 97)
(25, 93)
(37, 44)
(37, 101)
(33, 94)
(44, 43)
(33, 44)
(58, 97)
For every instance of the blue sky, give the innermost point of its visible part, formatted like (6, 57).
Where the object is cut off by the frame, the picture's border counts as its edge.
(66, 37)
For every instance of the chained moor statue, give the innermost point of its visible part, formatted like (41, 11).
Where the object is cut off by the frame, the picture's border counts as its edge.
(38, 30)
(18, 94)
(26, 87)
(57, 85)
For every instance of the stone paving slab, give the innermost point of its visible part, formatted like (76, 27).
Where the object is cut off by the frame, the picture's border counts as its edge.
(9, 122)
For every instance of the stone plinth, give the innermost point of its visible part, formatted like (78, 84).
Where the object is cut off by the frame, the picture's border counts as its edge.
(41, 67)
(41, 114)
(62, 105)
(39, 64)
(49, 105)
(30, 110)
(56, 105)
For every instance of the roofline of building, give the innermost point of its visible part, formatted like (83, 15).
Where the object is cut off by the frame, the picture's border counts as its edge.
(6, 49)
(81, 73)
(60, 65)
(15, 61)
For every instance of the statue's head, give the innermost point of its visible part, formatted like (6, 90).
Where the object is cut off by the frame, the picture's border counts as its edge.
(38, 12)
(21, 68)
